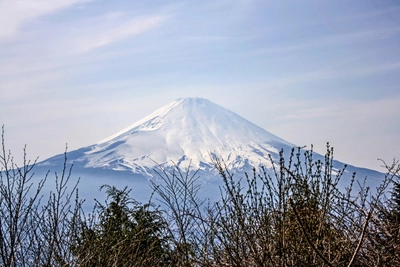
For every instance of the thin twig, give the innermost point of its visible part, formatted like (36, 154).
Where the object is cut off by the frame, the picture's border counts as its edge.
(306, 235)
(361, 238)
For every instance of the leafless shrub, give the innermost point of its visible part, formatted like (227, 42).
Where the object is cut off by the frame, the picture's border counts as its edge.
(292, 215)
(34, 232)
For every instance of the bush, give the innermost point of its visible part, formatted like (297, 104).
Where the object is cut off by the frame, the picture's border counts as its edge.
(292, 215)
(122, 233)
(34, 232)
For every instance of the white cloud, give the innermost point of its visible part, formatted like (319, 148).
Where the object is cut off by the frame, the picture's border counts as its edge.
(14, 13)
(111, 28)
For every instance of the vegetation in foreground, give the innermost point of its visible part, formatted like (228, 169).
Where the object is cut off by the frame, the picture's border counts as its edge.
(293, 215)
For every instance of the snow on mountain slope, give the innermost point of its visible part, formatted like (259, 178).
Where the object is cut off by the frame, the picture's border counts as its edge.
(187, 130)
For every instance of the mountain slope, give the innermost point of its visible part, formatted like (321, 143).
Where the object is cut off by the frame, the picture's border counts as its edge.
(185, 132)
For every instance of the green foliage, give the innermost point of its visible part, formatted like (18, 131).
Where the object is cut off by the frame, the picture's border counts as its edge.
(396, 197)
(125, 233)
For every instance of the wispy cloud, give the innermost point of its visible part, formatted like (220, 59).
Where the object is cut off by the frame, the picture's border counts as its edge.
(36, 66)
(329, 73)
(15, 13)
(111, 28)
(332, 40)
(353, 112)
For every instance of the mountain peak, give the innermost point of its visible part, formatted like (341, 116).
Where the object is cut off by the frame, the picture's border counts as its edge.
(181, 107)
(185, 131)
(194, 101)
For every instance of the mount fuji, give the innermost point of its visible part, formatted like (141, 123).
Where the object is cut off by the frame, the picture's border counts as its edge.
(185, 133)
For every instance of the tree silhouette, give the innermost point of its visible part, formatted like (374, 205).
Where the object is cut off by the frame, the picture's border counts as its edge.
(125, 233)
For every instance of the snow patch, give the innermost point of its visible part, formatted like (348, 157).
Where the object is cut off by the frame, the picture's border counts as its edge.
(152, 124)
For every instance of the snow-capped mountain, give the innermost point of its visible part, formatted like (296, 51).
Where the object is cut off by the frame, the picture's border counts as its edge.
(186, 131)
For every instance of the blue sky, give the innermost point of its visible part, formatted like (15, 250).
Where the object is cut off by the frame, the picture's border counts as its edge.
(77, 71)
